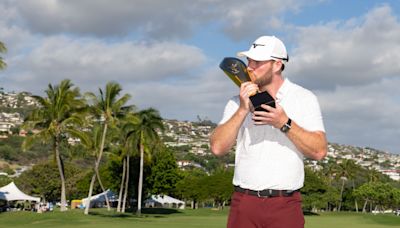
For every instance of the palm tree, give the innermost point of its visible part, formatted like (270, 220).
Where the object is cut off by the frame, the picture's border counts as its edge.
(91, 140)
(126, 140)
(346, 171)
(373, 175)
(60, 111)
(108, 107)
(146, 131)
(3, 49)
(329, 173)
(121, 187)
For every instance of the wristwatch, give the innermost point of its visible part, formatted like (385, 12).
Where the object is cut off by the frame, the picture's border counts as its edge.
(285, 128)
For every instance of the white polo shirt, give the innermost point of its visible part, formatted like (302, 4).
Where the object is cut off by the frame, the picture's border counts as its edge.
(265, 157)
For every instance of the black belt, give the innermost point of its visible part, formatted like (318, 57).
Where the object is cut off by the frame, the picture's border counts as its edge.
(266, 192)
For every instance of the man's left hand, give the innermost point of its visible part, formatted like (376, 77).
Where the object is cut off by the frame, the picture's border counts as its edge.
(275, 117)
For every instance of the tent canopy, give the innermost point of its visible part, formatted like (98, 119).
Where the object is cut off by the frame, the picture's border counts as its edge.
(101, 197)
(11, 192)
(159, 200)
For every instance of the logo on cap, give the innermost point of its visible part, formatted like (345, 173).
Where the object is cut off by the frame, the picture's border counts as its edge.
(256, 45)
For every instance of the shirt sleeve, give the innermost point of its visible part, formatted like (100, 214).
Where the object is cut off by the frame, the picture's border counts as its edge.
(230, 109)
(313, 119)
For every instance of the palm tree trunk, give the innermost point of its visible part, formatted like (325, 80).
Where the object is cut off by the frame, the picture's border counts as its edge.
(62, 177)
(121, 188)
(341, 195)
(365, 206)
(139, 202)
(87, 206)
(355, 200)
(126, 183)
(103, 139)
(103, 189)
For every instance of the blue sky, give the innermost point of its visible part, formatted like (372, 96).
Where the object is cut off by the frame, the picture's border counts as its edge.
(166, 54)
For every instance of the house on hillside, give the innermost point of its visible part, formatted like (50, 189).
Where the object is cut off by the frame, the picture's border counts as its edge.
(5, 129)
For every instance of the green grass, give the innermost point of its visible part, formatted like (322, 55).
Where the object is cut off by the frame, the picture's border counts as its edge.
(101, 218)
(166, 218)
(352, 220)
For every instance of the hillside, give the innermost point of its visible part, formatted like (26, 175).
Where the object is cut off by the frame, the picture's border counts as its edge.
(188, 140)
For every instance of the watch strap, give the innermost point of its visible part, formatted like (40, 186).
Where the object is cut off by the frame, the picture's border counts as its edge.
(287, 126)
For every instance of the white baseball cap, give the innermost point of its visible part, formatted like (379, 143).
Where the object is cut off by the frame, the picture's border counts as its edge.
(266, 48)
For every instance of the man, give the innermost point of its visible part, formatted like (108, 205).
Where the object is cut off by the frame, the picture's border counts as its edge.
(270, 144)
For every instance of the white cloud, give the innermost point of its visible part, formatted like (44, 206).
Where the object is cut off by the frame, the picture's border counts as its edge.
(88, 61)
(242, 20)
(11, 34)
(355, 52)
(100, 17)
(169, 76)
(157, 18)
(352, 65)
(363, 115)
(204, 95)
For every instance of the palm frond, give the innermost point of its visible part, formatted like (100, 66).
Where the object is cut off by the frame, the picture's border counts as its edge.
(3, 48)
(42, 136)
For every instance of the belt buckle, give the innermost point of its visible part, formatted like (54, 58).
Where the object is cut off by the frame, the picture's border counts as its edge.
(267, 196)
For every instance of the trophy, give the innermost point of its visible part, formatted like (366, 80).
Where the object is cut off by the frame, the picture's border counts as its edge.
(236, 70)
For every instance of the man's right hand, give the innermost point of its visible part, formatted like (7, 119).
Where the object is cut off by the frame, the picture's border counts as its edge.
(247, 89)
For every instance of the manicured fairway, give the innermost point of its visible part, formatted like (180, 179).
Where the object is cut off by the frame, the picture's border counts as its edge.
(352, 220)
(101, 218)
(179, 219)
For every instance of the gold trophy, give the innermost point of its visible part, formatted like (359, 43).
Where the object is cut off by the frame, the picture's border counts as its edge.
(236, 70)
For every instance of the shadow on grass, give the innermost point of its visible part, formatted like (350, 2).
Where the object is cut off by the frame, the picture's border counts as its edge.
(110, 214)
(160, 211)
(154, 212)
(310, 213)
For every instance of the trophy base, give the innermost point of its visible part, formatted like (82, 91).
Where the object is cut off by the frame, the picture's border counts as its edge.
(262, 98)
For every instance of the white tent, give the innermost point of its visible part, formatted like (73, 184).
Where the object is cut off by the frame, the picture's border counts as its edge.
(101, 198)
(164, 201)
(11, 192)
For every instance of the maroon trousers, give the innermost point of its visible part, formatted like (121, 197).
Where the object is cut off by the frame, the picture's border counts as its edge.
(249, 211)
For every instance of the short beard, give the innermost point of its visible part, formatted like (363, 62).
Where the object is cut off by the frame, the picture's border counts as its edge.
(266, 79)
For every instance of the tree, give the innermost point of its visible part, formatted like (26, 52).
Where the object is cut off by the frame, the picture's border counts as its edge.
(127, 142)
(7, 152)
(91, 141)
(164, 173)
(3, 49)
(191, 186)
(60, 111)
(346, 171)
(219, 186)
(365, 192)
(146, 131)
(4, 180)
(43, 180)
(107, 107)
(317, 192)
(373, 175)
(378, 193)
(11, 150)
